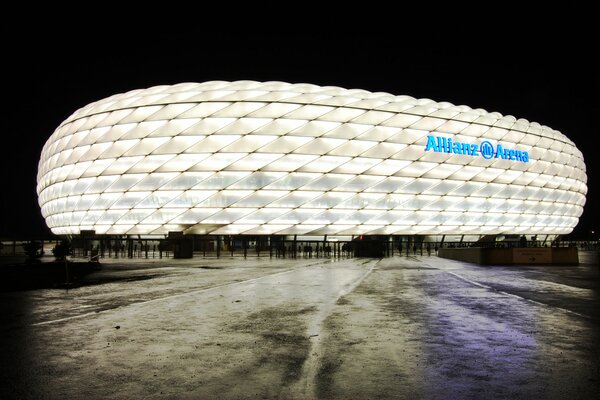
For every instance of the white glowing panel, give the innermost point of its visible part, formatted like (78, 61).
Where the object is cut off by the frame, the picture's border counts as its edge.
(279, 158)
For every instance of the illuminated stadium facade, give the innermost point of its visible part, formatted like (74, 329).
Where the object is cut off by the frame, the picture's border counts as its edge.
(273, 158)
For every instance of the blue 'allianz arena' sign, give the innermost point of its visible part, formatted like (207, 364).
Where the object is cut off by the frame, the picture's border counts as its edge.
(485, 149)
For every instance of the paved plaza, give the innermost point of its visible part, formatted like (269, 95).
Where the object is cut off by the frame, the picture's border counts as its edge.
(413, 327)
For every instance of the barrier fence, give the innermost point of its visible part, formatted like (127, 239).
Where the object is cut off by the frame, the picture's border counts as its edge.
(257, 246)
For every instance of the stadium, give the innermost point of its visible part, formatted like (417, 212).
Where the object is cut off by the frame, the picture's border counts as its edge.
(280, 159)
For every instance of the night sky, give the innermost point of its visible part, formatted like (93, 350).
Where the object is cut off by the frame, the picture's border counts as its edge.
(551, 79)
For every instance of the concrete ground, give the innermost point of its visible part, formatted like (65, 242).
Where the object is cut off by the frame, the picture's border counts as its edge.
(399, 328)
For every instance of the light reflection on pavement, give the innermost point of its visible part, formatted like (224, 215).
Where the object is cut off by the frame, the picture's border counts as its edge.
(402, 327)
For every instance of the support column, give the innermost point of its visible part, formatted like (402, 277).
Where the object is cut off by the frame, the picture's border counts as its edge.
(295, 246)
(129, 247)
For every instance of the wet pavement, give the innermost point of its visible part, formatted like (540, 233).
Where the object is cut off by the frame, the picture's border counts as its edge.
(413, 327)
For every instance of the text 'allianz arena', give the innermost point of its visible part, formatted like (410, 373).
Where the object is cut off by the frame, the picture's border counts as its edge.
(276, 158)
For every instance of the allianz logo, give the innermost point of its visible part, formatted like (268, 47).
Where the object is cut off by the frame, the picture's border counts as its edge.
(485, 149)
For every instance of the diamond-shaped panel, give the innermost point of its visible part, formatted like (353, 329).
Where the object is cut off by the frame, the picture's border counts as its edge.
(279, 158)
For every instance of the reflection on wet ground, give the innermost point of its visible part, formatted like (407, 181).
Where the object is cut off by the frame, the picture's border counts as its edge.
(402, 327)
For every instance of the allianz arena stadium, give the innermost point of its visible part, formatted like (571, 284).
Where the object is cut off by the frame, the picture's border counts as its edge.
(273, 158)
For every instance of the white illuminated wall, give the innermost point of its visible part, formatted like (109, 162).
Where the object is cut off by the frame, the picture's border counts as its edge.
(276, 158)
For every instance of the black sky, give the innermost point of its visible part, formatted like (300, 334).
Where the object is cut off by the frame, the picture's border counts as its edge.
(550, 78)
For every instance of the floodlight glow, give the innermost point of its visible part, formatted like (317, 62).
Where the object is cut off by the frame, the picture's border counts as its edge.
(277, 158)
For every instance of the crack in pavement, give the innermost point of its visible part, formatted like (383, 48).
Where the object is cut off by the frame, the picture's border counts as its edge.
(306, 385)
